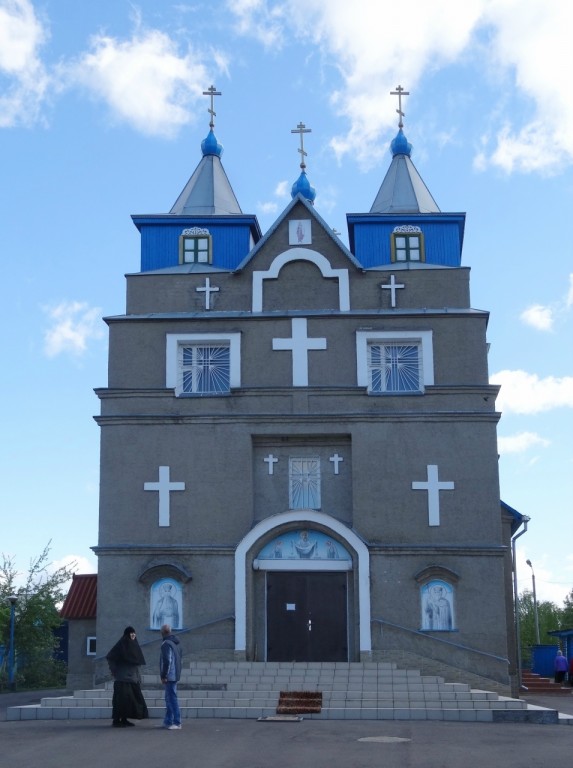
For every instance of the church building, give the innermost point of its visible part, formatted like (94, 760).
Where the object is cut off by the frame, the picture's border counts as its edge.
(298, 438)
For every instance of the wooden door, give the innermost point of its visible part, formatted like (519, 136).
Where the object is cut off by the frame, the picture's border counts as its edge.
(307, 616)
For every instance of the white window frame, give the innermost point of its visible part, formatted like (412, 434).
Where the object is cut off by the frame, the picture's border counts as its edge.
(195, 234)
(89, 641)
(172, 366)
(409, 233)
(295, 476)
(423, 338)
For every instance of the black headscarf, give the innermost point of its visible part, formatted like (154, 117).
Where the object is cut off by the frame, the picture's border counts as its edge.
(126, 650)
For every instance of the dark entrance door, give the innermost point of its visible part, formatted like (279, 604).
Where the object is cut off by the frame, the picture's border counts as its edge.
(306, 616)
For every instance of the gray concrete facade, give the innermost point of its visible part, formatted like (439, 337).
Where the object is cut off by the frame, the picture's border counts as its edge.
(236, 500)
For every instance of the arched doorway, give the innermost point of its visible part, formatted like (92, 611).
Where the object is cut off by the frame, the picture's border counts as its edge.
(310, 585)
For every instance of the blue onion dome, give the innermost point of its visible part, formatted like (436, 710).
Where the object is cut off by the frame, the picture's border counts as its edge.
(400, 145)
(302, 187)
(210, 145)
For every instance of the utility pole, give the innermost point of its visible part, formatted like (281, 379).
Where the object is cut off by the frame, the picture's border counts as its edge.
(537, 640)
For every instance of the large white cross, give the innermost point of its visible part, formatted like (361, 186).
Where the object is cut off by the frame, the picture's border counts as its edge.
(207, 290)
(392, 285)
(300, 345)
(433, 486)
(336, 459)
(164, 486)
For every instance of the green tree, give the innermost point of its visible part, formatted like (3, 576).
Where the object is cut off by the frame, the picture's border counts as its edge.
(567, 612)
(550, 618)
(40, 594)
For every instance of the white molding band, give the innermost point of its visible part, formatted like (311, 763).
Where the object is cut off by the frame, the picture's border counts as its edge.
(305, 516)
(301, 254)
(302, 565)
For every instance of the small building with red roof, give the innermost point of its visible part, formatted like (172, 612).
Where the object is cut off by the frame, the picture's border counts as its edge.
(80, 610)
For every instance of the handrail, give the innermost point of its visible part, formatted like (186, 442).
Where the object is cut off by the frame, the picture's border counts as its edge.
(182, 631)
(442, 640)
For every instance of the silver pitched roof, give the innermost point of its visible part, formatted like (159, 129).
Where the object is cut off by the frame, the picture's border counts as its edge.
(208, 192)
(403, 190)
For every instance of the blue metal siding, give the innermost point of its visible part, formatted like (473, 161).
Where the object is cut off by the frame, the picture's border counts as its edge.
(441, 242)
(160, 244)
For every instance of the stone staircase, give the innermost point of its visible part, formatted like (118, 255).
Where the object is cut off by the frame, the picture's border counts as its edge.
(350, 691)
(536, 684)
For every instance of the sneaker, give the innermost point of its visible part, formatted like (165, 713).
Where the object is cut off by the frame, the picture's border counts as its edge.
(173, 727)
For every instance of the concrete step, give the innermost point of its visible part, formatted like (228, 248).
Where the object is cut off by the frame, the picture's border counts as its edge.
(541, 685)
(349, 691)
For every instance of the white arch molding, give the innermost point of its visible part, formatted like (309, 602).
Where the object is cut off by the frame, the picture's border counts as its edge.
(301, 254)
(305, 516)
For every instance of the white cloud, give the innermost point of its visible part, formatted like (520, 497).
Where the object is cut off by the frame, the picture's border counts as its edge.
(268, 207)
(533, 41)
(525, 46)
(523, 392)
(22, 35)
(521, 442)
(79, 563)
(282, 189)
(545, 317)
(539, 317)
(361, 39)
(73, 324)
(146, 81)
(256, 18)
(546, 579)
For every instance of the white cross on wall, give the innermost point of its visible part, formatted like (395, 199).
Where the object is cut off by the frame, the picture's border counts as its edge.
(336, 459)
(207, 290)
(392, 286)
(433, 486)
(271, 461)
(300, 345)
(164, 486)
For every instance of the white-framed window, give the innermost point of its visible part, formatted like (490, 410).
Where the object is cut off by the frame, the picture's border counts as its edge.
(304, 483)
(203, 364)
(407, 244)
(90, 646)
(394, 363)
(195, 246)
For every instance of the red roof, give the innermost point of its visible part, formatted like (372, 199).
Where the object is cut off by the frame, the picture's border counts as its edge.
(81, 600)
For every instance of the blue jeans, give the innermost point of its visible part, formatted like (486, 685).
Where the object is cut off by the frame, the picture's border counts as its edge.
(172, 713)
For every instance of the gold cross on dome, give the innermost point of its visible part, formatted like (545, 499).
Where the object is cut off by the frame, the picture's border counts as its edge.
(399, 92)
(302, 129)
(212, 92)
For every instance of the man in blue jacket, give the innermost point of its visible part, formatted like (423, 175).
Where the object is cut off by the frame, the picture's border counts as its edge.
(170, 673)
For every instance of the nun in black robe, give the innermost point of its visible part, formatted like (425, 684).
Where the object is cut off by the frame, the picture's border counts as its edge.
(125, 659)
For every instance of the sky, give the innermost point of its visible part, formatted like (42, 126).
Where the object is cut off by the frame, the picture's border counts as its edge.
(102, 114)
